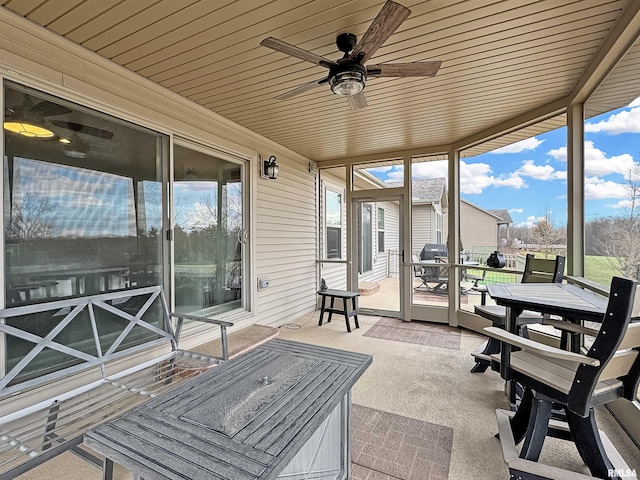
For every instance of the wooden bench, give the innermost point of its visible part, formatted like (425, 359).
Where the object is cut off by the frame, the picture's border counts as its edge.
(70, 365)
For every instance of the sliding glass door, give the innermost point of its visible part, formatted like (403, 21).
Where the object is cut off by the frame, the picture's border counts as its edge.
(208, 231)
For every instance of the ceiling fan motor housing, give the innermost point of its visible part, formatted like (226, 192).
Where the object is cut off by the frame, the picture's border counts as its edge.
(346, 42)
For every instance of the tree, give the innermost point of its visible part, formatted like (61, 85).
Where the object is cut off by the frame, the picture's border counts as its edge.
(546, 236)
(619, 235)
(30, 217)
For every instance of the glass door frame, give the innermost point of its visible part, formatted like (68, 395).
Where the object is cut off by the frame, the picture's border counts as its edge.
(246, 292)
(355, 201)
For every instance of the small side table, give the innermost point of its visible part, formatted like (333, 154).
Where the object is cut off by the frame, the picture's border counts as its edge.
(345, 296)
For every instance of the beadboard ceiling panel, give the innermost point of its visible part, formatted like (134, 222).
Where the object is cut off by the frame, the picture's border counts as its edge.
(500, 60)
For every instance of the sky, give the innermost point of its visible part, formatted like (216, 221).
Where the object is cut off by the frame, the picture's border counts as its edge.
(529, 178)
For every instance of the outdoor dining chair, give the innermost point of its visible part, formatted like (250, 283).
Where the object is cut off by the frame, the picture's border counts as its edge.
(573, 382)
(536, 270)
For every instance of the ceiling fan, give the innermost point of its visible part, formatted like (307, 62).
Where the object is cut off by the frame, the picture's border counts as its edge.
(80, 128)
(348, 75)
(28, 118)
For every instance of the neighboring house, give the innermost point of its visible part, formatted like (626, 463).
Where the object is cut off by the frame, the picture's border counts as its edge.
(430, 207)
(478, 228)
(504, 231)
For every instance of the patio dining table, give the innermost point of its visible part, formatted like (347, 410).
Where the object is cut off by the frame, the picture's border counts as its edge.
(568, 301)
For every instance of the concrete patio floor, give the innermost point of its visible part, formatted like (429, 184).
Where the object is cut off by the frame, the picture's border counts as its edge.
(419, 383)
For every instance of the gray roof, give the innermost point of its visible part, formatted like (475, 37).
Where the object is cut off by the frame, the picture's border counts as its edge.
(503, 215)
(428, 189)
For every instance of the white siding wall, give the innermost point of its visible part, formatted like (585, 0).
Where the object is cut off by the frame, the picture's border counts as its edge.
(391, 219)
(422, 232)
(283, 220)
(477, 228)
(286, 239)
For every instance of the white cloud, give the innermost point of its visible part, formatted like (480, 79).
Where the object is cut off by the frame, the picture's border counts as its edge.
(596, 162)
(383, 170)
(430, 169)
(635, 103)
(596, 188)
(515, 210)
(621, 204)
(521, 146)
(513, 180)
(627, 121)
(539, 172)
(529, 222)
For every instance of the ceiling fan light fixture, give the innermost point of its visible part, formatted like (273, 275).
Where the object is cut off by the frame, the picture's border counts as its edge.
(76, 148)
(347, 83)
(27, 129)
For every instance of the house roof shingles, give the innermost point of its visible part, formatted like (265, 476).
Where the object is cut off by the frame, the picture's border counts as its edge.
(504, 216)
(428, 189)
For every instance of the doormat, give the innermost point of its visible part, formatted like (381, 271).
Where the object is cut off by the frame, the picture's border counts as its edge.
(386, 446)
(420, 333)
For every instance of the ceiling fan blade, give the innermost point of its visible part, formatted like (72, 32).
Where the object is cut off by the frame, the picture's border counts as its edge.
(415, 69)
(301, 89)
(357, 102)
(47, 109)
(297, 52)
(78, 127)
(388, 20)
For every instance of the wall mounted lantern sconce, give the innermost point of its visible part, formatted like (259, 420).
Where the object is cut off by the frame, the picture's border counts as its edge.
(269, 169)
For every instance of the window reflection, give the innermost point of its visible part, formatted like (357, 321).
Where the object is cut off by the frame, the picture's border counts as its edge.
(208, 231)
(82, 210)
(82, 215)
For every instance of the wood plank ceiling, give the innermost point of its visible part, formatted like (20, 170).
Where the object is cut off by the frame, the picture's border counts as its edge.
(500, 59)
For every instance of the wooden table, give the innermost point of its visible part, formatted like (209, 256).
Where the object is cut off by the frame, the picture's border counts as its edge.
(568, 301)
(345, 296)
(278, 411)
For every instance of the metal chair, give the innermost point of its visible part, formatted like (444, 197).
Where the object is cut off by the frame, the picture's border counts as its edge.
(536, 270)
(573, 382)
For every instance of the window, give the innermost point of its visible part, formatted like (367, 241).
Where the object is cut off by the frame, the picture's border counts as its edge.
(438, 228)
(380, 230)
(333, 221)
(208, 232)
(366, 238)
(82, 213)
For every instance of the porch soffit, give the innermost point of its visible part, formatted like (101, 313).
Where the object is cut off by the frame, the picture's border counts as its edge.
(501, 60)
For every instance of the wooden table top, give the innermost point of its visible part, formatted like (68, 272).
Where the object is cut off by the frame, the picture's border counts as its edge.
(243, 420)
(569, 301)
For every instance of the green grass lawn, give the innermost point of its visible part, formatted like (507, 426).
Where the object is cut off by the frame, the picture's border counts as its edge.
(600, 269)
(597, 269)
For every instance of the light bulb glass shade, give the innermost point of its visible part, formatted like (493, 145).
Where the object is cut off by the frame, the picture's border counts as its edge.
(272, 171)
(347, 83)
(28, 130)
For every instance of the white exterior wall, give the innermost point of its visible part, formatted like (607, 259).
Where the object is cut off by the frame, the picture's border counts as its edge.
(478, 228)
(282, 223)
(423, 228)
(286, 243)
(391, 237)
